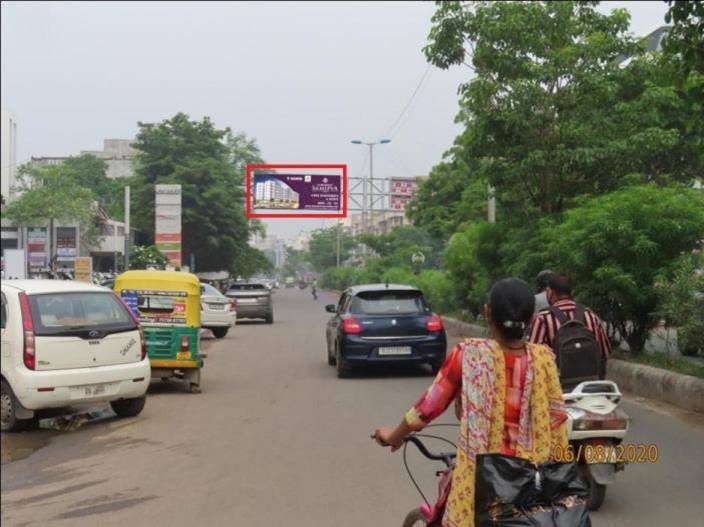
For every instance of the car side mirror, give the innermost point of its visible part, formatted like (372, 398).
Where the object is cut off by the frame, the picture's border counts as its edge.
(331, 308)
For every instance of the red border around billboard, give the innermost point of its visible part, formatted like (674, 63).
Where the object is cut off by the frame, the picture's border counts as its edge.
(248, 192)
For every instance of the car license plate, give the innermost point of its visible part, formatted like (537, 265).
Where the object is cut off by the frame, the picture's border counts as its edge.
(217, 307)
(92, 390)
(183, 355)
(395, 350)
(247, 300)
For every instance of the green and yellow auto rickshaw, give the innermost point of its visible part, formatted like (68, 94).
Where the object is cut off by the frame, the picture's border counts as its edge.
(168, 306)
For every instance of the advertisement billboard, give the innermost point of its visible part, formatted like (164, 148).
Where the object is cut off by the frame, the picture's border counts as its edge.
(296, 191)
(167, 234)
(83, 269)
(66, 244)
(37, 248)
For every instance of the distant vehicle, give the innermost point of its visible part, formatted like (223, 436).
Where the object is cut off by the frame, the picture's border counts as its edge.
(383, 323)
(218, 313)
(253, 300)
(289, 282)
(68, 343)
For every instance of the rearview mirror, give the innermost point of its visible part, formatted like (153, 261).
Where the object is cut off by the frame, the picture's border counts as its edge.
(331, 308)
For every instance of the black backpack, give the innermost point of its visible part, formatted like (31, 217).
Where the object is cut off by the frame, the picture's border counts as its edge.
(578, 353)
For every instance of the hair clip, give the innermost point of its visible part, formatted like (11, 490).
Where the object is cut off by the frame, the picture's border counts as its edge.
(514, 324)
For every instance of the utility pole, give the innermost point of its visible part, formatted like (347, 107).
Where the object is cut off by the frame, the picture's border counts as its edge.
(127, 228)
(491, 206)
(366, 206)
(337, 250)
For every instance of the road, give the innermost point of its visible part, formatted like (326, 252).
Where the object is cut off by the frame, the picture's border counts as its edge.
(276, 439)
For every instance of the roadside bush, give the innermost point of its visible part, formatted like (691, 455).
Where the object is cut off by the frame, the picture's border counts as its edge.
(399, 275)
(614, 247)
(439, 290)
(339, 278)
(473, 260)
(683, 302)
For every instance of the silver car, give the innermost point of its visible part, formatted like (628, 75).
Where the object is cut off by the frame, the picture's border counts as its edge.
(253, 300)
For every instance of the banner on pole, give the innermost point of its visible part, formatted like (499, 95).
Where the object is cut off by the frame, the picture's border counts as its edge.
(168, 222)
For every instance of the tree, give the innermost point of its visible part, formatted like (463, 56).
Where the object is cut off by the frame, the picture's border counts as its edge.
(143, 256)
(250, 261)
(195, 155)
(322, 251)
(616, 246)
(52, 193)
(551, 114)
(90, 172)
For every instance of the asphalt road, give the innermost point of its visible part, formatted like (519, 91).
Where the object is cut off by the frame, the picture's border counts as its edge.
(275, 439)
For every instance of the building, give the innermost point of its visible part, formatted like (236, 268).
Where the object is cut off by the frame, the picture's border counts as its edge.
(8, 154)
(118, 155)
(269, 191)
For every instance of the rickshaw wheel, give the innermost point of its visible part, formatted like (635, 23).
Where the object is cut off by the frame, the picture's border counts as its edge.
(192, 377)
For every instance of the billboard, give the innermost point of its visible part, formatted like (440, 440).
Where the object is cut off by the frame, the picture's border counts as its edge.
(83, 269)
(37, 248)
(296, 191)
(66, 244)
(167, 234)
(402, 191)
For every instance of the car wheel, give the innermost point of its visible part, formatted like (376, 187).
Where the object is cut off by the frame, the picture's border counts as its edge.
(270, 318)
(219, 332)
(128, 407)
(343, 370)
(9, 422)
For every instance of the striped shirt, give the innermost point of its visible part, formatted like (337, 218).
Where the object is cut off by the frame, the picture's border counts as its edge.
(545, 325)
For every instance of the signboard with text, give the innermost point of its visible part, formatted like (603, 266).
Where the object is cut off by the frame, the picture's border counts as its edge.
(36, 248)
(296, 191)
(168, 222)
(83, 269)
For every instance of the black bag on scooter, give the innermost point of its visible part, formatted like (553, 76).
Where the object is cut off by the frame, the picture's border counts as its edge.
(513, 492)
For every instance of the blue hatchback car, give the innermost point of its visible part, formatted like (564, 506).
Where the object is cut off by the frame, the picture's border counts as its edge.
(383, 323)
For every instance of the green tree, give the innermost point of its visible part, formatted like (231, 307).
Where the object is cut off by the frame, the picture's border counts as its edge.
(90, 172)
(195, 155)
(322, 251)
(682, 295)
(551, 115)
(52, 194)
(250, 261)
(143, 256)
(616, 246)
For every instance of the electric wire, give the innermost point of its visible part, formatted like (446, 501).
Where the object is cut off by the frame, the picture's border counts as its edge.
(410, 100)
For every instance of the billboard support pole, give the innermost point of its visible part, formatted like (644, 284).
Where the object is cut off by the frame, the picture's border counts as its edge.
(127, 228)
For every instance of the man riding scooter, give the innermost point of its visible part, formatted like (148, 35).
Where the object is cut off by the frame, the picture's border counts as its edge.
(595, 426)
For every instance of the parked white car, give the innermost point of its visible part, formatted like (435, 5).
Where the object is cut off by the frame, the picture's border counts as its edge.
(218, 313)
(67, 343)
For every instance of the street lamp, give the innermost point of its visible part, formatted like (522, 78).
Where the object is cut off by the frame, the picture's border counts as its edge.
(370, 144)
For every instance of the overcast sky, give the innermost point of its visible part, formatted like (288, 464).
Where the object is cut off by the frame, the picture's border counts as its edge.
(302, 78)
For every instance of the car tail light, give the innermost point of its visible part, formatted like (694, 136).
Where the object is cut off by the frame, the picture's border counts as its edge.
(434, 323)
(29, 351)
(233, 304)
(139, 327)
(351, 326)
(184, 343)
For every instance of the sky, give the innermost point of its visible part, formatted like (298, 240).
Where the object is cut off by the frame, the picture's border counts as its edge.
(303, 78)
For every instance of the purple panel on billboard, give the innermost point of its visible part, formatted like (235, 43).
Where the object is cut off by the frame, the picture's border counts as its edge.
(297, 192)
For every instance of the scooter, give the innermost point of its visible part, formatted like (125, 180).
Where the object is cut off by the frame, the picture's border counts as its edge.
(596, 429)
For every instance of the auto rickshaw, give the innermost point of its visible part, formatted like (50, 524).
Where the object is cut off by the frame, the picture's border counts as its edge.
(168, 305)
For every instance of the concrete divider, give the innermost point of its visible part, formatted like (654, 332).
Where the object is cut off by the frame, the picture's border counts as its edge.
(683, 391)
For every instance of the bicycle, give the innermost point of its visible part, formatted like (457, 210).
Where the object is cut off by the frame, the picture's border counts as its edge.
(428, 515)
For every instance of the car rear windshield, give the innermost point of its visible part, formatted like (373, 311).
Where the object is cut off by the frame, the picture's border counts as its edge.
(209, 290)
(247, 287)
(388, 303)
(68, 313)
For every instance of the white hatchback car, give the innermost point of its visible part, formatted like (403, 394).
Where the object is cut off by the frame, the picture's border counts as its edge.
(218, 313)
(67, 343)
